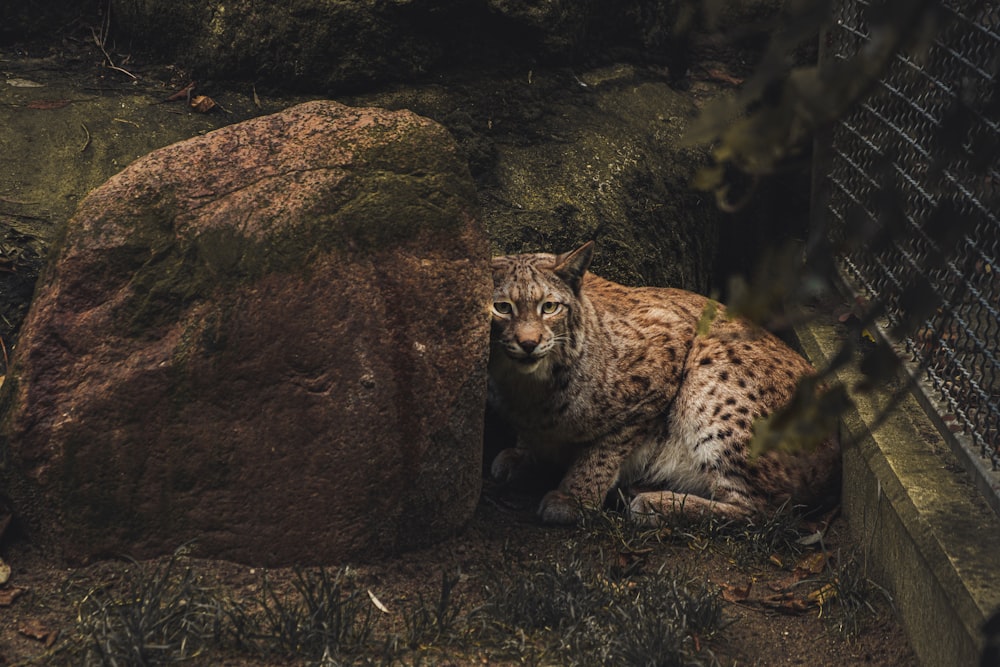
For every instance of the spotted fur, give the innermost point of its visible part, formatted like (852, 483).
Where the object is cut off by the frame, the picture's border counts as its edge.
(616, 385)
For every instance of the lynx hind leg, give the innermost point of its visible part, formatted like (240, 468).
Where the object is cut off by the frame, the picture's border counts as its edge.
(650, 507)
(512, 464)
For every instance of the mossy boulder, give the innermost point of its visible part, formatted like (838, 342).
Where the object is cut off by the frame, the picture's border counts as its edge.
(270, 339)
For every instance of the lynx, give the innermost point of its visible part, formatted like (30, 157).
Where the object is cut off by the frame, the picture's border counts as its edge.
(618, 386)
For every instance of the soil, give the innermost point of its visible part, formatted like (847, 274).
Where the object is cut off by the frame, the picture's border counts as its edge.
(768, 615)
(769, 612)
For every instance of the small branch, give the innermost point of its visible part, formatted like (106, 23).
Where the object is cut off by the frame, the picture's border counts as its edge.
(100, 38)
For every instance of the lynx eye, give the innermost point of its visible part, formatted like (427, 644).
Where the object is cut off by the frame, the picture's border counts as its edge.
(550, 307)
(503, 307)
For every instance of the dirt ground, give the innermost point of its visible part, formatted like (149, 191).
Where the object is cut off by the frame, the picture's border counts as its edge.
(766, 588)
(781, 602)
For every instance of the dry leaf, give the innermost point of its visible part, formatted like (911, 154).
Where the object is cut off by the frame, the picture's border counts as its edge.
(812, 538)
(49, 104)
(378, 603)
(4, 572)
(37, 630)
(182, 94)
(202, 103)
(8, 595)
(786, 603)
(811, 564)
(824, 594)
(785, 585)
(24, 83)
(721, 75)
(732, 593)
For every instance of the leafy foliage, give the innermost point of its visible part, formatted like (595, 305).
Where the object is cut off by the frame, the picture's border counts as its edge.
(772, 118)
(768, 126)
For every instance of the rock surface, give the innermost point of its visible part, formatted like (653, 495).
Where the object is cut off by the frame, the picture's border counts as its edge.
(563, 158)
(611, 165)
(335, 46)
(270, 339)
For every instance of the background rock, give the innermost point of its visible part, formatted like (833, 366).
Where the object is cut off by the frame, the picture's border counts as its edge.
(270, 339)
(21, 20)
(504, 76)
(610, 165)
(562, 158)
(340, 46)
(558, 157)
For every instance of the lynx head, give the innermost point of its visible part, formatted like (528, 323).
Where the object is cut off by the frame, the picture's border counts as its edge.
(536, 304)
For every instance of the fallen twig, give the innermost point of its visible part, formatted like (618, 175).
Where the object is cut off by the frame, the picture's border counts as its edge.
(100, 38)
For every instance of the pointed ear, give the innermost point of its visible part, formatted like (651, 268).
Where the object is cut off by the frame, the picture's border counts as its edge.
(571, 266)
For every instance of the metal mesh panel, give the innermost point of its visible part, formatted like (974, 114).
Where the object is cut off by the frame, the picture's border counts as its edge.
(921, 158)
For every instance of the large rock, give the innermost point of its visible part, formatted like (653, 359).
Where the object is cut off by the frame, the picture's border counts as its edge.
(270, 339)
(332, 46)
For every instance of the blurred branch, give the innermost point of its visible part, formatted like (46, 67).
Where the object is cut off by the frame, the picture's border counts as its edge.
(769, 125)
(776, 114)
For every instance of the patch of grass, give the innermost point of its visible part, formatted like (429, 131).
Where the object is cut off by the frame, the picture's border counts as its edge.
(667, 620)
(321, 618)
(597, 600)
(857, 598)
(574, 613)
(778, 539)
(627, 536)
(431, 621)
(755, 541)
(151, 616)
(748, 543)
(544, 595)
(652, 641)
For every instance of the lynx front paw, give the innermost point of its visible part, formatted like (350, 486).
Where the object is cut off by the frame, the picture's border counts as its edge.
(646, 509)
(649, 509)
(561, 508)
(511, 464)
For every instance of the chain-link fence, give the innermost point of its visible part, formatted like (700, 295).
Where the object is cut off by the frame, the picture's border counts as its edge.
(913, 172)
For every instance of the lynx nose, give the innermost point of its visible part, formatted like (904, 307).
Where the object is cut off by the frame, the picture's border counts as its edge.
(528, 345)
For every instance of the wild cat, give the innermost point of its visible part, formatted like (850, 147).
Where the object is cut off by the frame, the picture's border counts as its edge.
(617, 386)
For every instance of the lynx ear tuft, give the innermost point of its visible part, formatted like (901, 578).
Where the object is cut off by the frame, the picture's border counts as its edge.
(571, 266)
